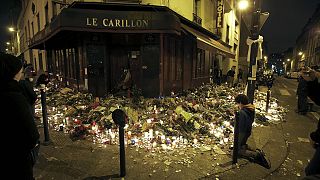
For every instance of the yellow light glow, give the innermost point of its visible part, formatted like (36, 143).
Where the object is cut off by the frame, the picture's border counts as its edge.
(288, 60)
(8, 43)
(11, 29)
(243, 4)
(300, 53)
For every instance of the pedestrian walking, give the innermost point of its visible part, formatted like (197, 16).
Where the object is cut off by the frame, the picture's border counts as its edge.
(21, 135)
(246, 118)
(230, 76)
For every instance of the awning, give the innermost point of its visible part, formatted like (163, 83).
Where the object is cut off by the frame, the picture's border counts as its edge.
(210, 42)
(99, 20)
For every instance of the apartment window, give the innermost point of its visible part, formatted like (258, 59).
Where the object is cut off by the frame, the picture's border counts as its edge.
(197, 7)
(196, 12)
(26, 33)
(235, 46)
(38, 21)
(228, 34)
(46, 10)
(54, 9)
(32, 28)
(29, 29)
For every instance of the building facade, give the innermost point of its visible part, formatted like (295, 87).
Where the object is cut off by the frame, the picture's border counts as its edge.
(169, 46)
(307, 46)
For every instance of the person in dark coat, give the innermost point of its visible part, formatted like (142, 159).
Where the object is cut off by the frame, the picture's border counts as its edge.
(312, 77)
(28, 91)
(302, 93)
(43, 79)
(230, 76)
(20, 135)
(246, 118)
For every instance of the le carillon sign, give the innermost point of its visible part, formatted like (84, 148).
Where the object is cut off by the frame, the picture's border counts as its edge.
(104, 20)
(120, 23)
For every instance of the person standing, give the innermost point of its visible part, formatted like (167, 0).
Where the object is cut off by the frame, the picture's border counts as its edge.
(246, 118)
(230, 76)
(302, 92)
(28, 91)
(240, 73)
(43, 79)
(21, 135)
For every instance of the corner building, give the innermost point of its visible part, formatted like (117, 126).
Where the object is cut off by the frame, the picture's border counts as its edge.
(169, 46)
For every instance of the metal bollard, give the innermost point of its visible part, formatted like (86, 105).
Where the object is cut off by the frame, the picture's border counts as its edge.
(44, 115)
(120, 118)
(235, 139)
(268, 99)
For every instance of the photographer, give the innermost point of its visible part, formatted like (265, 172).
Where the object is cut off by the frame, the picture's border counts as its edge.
(312, 77)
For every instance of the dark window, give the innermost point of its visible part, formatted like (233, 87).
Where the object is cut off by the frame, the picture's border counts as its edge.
(46, 9)
(54, 9)
(38, 22)
(197, 7)
(228, 34)
(40, 61)
(199, 63)
(29, 36)
(32, 28)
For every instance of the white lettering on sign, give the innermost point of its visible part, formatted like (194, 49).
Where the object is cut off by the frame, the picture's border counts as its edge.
(219, 13)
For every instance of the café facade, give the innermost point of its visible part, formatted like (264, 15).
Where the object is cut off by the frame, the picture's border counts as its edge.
(89, 44)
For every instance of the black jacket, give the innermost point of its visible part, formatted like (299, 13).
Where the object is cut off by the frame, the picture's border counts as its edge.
(314, 91)
(246, 118)
(19, 132)
(28, 92)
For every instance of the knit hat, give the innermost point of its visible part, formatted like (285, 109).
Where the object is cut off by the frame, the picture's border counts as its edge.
(9, 66)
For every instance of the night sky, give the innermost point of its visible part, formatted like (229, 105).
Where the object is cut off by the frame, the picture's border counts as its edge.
(285, 23)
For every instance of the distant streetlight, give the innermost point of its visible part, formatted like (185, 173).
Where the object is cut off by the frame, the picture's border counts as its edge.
(300, 53)
(8, 43)
(243, 4)
(11, 29)
(288, 60)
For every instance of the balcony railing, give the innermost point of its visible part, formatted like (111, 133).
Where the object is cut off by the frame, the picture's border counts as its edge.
(197, 19)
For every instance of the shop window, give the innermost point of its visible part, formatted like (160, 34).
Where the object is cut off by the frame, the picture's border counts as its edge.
(178, 61)
(200, 63)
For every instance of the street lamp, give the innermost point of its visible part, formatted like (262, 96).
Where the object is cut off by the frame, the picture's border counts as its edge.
(288, 60)
(243, 4)
(11, 29)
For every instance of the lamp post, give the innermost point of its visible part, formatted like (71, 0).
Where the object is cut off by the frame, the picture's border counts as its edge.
(254, 23)
(254, 35)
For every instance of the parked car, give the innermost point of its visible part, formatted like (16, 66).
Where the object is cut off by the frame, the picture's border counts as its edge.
(292, 75)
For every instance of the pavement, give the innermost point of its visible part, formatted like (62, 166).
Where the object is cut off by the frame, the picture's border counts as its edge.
(64, 159)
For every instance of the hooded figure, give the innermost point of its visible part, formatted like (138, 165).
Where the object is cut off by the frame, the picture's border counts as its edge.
(246, 118)
(21, 135)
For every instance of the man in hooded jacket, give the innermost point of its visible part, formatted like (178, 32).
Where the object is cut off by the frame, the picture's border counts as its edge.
(20, 135)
